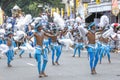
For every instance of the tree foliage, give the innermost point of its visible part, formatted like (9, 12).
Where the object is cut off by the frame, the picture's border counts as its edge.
(28, 6)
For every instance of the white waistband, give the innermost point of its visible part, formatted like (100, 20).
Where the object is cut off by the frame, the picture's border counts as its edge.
(92, 45)
(38, 47)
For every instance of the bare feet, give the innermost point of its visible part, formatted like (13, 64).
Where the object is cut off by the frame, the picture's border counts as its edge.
(30, 56)
(93, 71)
(109, 61)
(20, 56)
(57, 63)
(42, 75)
(53, 63)
(9, 65)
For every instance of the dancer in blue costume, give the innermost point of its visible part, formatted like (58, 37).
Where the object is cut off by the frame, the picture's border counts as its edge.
(105, 49)
(110, 33)
(40, 51)
(55, 47)
(92, 46)
(10, 52)
(78, 45)
(23, 43)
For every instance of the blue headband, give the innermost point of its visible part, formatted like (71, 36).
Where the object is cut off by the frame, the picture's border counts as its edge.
(38, 25)
(8, 33)
(91, 25)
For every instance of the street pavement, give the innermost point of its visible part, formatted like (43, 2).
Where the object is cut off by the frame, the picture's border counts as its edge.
(70, 68)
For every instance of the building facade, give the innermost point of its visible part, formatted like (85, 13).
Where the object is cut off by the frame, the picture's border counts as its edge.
(105, 6)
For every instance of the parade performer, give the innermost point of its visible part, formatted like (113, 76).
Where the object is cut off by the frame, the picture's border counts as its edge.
(66, 39)
(55, 47)
(118, 39)
(3, 46)
(105, 48)
(111, 32)
(9, 53)
(108, 34)
(19, 38)
(2, 33)
(78, 45)
(30, 33)
(39, 35)
(92, 46)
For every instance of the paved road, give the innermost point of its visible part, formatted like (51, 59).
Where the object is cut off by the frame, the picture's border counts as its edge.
(69, 69)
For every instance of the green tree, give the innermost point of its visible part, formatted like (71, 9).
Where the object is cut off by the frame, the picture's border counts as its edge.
(28, 6)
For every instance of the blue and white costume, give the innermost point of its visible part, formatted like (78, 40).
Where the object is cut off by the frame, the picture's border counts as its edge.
(91, 48)
(56, 49)
(105, 49)
(78, 46)
(10, 53)
(40, 52)
(93, 54)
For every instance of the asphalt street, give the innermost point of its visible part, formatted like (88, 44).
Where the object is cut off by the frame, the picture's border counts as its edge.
(70, 68)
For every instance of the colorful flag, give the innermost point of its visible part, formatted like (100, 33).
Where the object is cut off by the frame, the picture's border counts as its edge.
(97, 1)
(85, 5)
(115, 7)
(52, 11)
(68, 11)
(77, 3)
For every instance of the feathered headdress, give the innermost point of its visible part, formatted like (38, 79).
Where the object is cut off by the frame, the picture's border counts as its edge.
(58, 20)
(104, 21)
(24, 21)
